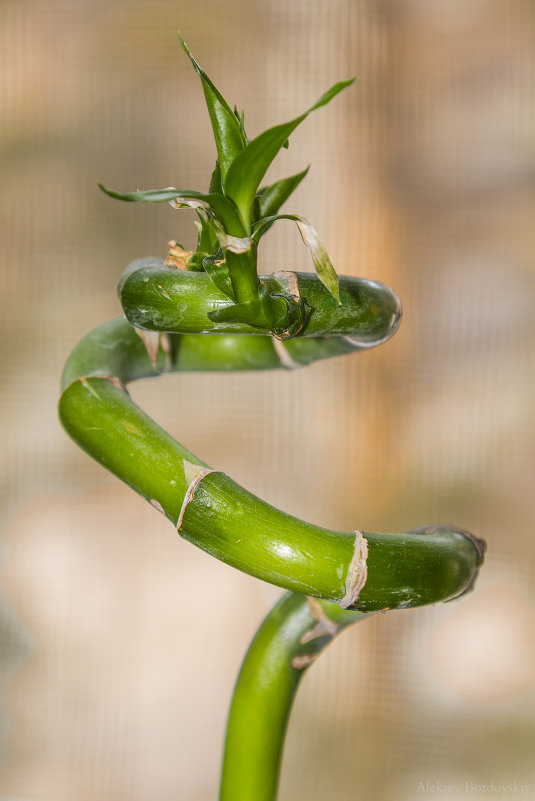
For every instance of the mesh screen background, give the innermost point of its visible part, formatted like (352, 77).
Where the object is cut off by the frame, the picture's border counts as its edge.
(120, 642)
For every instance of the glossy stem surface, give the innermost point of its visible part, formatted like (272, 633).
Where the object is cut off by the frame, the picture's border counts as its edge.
(221, 517)
(289, 640)
(157, 297)
(345, 574)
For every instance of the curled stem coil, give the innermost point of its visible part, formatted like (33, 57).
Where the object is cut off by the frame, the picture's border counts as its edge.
(290, 639)
(344, 575)
(209, 310)
(208, 508)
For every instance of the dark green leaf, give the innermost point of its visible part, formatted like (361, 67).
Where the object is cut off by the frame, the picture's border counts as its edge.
(249, 166)
(250, 313)
(222, 207)
(226, 126)
(330, 93)
(260, 313)
(206, 241)
(271, 198)
(148, 195)
(283, 315)
(242, 126)
(217, 269)
(320, 258)
(216, 182)
(296, 317)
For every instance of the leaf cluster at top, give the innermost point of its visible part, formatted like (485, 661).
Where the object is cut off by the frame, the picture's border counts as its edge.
(235, 203)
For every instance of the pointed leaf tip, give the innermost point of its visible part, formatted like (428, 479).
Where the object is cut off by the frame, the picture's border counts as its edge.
(250, 165)
(112, 193)
(183, 44)
(222, 208)
(327, 96)
(271, 198)
(320, 258)
(226, 127)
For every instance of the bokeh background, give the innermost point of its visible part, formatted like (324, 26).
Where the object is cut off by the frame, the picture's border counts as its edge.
(120, 642)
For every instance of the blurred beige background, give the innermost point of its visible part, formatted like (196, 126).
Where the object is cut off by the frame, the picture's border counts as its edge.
(117, 665)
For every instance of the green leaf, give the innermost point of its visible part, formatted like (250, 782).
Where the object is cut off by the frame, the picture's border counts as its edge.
(206, 241)
(242, 126)
(320, 258)
(330, 93)
(216, 182)
(249, 166)
(222, 207)
(227, 130)
(281, 314)
(294, 321)
(271, 198)
(259, 313)
(217, 270)
(251, 313)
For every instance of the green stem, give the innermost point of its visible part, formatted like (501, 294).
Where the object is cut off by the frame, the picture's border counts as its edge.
(160, 298)
(289, 640)
(221, 517)
(243, 274)
(360, 571)
(166, 309)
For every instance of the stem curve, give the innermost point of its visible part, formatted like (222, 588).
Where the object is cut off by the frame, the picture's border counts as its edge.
(289, 640)
(211, 510)
(209, 310)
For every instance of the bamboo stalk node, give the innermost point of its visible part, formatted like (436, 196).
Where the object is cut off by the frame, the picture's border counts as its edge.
(324, 625)
(357, 572)
(302, 661)
(284, 357)
(194, 474)
(116, 382)
(177, 256)
(151, 340)
(290, 281)
(157, 505)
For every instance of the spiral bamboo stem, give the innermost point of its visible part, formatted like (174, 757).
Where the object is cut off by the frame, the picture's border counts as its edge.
(288, 642)
(357, 570)
(206, 506)
(210, 311)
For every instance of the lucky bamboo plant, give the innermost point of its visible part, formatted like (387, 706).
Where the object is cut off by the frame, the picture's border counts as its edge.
(209, 310)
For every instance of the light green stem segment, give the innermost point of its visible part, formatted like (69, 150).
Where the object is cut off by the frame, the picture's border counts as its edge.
(211, 510)
(289, 640)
